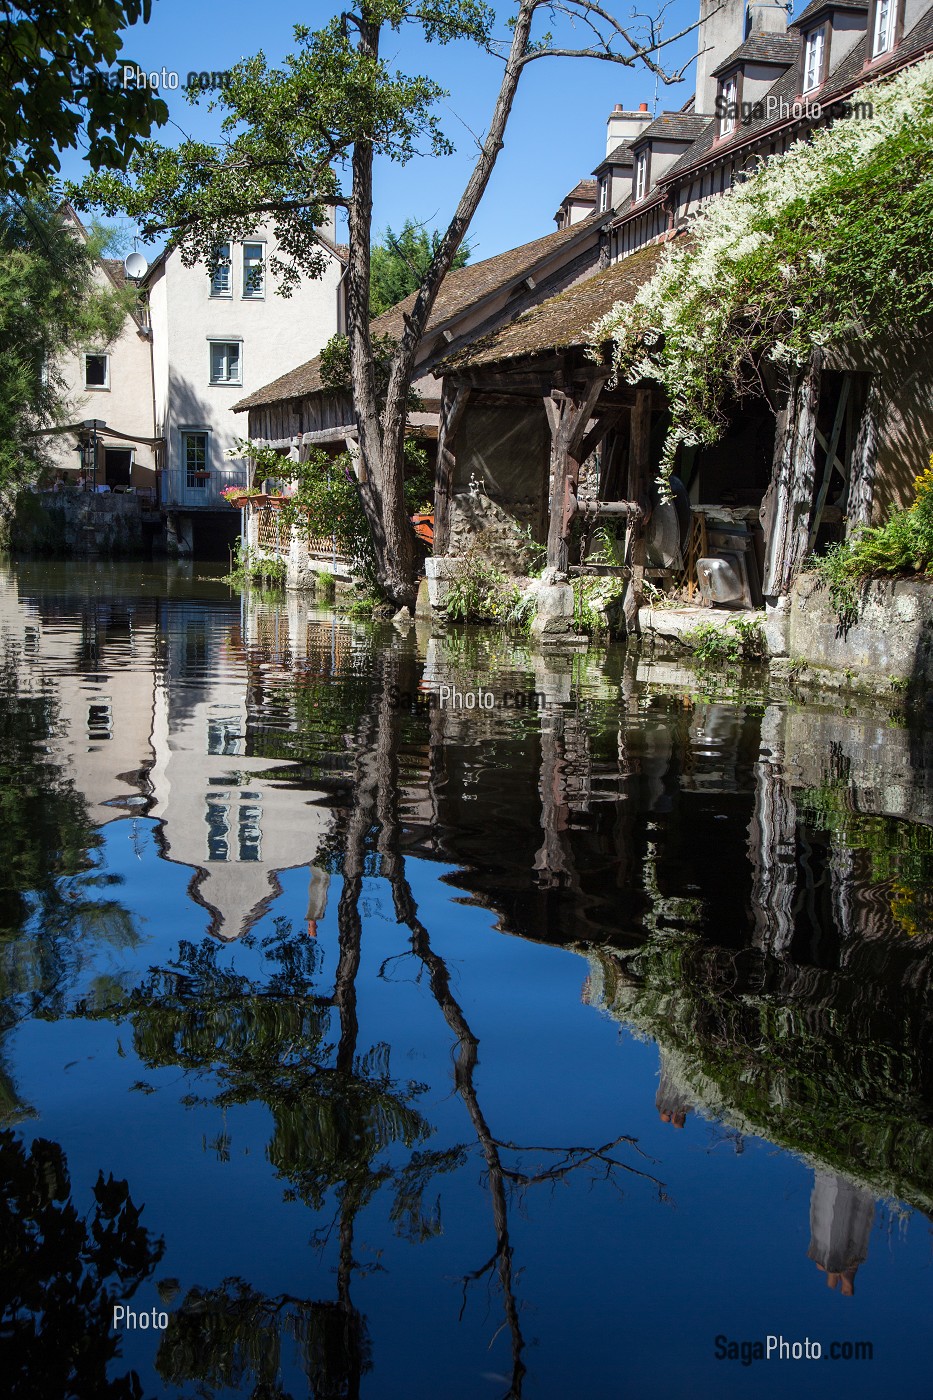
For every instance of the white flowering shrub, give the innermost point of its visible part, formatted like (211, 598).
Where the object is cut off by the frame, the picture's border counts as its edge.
(829, 242)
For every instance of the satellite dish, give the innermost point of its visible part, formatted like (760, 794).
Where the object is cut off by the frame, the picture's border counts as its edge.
(135, 266)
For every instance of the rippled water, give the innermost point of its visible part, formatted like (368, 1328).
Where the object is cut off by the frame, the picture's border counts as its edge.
(390, 1048)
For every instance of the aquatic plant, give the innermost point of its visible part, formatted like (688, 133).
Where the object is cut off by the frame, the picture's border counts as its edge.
(741, 640)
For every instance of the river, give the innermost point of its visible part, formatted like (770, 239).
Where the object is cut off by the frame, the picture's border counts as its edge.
(400, 1015)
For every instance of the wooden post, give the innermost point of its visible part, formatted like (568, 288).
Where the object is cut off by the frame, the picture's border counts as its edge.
(831, 446)
(864, 461)
(568, 423)
(453, 403)
(792, 482)
(639, 461)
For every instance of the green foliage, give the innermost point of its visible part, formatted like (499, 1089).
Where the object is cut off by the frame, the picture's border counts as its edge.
(262, 570)
(902, 544)
(823, 244)
(47, 44)
(400, 262)
(480, 592)
(286, 132)
(741, 641)
(49, 305)
(335, 367)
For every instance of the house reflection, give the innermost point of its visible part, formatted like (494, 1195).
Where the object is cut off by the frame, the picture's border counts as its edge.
(151, 703)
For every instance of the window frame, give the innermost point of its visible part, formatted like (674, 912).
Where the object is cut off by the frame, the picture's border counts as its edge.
(97, 355)
(641, 175)
(823, 32)
(196, 484)
(892, 27)
(227, 341)
(260, 294)
(223, 293)
(733, 82)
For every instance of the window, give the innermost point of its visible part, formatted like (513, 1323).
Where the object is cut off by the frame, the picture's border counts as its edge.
(220, 282)
(604, 194)
(218, 826)
(97, 371)
(194, 451)
(814, 56)
(641, 174)
(253, 270)
(728, 105)
(884, 28)
(225, 362)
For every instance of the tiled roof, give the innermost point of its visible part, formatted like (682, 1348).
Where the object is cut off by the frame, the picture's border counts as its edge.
(116, 269)
(763, 48)
(564, 320)
(815, 6)
(583, 190)
(672, 126)
(461, 290)
(619, 155)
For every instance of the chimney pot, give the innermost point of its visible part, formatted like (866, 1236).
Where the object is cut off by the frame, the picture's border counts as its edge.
(642, 106)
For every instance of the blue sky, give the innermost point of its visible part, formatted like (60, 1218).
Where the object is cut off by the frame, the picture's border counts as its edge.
(556, 133)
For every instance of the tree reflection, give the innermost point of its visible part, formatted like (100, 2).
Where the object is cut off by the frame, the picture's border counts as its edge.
(61, 1273)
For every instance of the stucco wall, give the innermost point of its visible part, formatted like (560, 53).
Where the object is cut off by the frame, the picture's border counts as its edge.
(125, 406)
(277, 333)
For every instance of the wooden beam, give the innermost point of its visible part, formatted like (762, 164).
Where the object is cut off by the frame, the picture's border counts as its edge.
(864, 461)
(583, 414)
(831, 459)
(453, 403)
(639, 463)
(790, 495)
(594, 437)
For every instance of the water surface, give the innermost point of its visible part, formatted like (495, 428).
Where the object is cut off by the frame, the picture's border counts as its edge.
(397, 1049)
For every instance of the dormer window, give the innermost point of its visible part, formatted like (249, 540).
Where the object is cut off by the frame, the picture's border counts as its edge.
(814, 61)
(883, 35)
(641, 175)
(604, 194)
(728, 105)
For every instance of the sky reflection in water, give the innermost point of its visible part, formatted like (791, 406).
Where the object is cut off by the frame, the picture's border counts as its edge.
(513, 1052)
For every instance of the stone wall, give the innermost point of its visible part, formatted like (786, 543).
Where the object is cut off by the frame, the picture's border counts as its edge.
(890, 645)
(79, 524)
(500, 484)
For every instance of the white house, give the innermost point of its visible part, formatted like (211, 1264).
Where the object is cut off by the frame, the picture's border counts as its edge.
(110, 384)
(215, 339)
(162, 392)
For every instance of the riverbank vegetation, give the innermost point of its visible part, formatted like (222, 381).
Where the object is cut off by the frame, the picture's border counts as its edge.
(826, 244)
(902, 544)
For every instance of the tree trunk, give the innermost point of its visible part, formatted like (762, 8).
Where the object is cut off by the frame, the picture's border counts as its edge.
(382, 442)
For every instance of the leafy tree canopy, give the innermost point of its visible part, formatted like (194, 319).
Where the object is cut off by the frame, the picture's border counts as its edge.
(52, 93)
(400, 264)
(50, 302)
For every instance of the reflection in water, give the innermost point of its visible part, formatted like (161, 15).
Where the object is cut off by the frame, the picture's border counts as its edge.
(749, 884)
(62, 1269)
